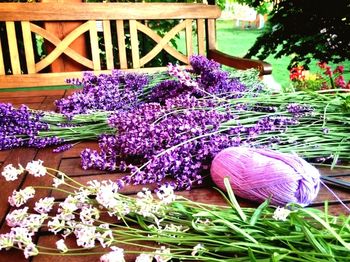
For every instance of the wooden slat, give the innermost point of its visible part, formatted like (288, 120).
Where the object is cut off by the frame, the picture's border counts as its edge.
(2, 66)
(211, 34)
(12, 40)
(28, 47)
(134, 44)
(121, 44)
(62, 45)
(201, 36)
(51, 79)
(108, 43)
(97, 11)
(162, 43)
(189, 43)
(95, 51)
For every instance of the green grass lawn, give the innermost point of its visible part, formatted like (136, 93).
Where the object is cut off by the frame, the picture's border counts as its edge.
(236, 41)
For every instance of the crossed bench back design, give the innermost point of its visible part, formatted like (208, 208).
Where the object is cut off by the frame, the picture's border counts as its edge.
(119, 20)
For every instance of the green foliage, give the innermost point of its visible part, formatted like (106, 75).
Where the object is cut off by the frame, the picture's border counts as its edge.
(305, 29)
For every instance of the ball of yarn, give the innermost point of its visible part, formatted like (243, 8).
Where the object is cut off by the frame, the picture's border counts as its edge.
(258, 174)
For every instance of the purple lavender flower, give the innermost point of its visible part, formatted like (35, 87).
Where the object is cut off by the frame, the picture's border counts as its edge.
(104, 92)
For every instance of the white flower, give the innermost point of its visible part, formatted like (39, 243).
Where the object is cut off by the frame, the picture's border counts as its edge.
(89, 214)
(106, 238)
(107, 195)
(58, 181)
(30, 250)
(20, 197)
(21, 236)
(6, 241)
(44, 205)
(67, 207)
(117, 255)
(36, 168)
(61, 246)
(56, 225)
(86, 235)
(163, 254)
(16, 217)
(281, 214)
(196, 249)
(166, 194)
(34, 221)
(10, 173)
(144, 258)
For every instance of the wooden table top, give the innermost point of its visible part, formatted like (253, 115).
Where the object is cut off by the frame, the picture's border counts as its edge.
(69, 163)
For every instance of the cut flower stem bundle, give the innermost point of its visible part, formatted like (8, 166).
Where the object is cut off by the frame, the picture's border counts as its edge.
(165, 226)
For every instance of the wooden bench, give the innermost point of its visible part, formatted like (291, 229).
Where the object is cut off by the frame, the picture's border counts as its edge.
(124, 25)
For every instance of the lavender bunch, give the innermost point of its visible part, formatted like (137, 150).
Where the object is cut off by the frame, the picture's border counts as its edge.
(23, 127)
(206, 78)
(20, 127)
(179, 139)
(108, 92)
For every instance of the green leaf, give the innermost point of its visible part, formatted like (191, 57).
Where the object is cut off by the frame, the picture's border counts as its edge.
(328, 227)
(233, 200)
(251, 255)
(257, 213)
(236, 229)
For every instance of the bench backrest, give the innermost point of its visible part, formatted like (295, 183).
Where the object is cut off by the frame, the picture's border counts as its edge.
(123, 25)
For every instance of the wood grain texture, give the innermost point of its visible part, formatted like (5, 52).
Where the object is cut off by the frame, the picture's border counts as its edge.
(28, 47)
(135, 53)
(95, 51)
(189, 42)
(201, 36)
(121, 44)
(2, 66)
(13, 48)
(108, 44)
(211, 38)
(97, 11)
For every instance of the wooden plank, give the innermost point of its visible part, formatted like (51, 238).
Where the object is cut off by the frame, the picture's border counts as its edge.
(32, 93)
(121, 44)
(12, 41)
(134, 44)
(51, 160)
(189, 42)
(211, 34)
(51, 79)
(108, 44)
(95, 51)
(23, 100)
(19, 156)
(2, 66)
(28, 47)
(201, 36)
(97, 11)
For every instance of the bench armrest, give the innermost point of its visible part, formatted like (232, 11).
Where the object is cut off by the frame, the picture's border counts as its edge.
(240, 63)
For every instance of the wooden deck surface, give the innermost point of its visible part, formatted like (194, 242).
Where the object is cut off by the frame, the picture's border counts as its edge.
(69, 162)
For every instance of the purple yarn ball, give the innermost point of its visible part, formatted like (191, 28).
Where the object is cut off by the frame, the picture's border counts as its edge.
(257, 174)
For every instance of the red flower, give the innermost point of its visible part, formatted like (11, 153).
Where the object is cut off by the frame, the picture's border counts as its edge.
(340, 81)
(322, 64)
(339, 69)
(328, 71)
(296, 73)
